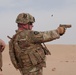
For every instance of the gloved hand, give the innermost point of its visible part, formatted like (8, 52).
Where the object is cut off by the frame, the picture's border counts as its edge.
(61, 30)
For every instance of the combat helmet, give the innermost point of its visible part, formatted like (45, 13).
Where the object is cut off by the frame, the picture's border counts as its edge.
(25, 18)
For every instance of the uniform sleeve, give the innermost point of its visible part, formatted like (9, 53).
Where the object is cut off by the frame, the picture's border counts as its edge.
(45, 36)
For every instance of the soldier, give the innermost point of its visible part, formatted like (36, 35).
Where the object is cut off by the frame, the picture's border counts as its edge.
(2, 47)
(27, 49)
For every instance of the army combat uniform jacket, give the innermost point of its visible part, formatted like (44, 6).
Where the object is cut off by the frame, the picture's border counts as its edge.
(26, 50)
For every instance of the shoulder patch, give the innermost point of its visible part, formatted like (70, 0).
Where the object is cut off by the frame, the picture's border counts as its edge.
(35, 32)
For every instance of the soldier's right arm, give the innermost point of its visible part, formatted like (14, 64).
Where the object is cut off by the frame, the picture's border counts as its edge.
(47, 36)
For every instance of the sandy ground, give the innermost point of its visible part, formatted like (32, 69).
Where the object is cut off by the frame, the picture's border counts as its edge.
(61, 62)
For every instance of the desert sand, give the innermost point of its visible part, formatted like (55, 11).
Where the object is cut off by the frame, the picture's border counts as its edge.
(62, 61)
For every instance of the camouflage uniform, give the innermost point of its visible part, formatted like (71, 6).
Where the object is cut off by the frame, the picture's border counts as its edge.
(27, 52)
(2, 46)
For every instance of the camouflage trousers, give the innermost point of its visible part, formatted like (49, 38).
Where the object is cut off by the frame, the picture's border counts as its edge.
(32, 72)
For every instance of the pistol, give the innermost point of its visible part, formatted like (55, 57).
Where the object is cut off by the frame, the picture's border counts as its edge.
(65, 25)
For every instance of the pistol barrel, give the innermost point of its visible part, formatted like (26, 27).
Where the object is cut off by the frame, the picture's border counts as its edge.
(65, 25)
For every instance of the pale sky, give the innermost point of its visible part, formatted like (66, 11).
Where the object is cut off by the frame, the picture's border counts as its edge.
(64, 12)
